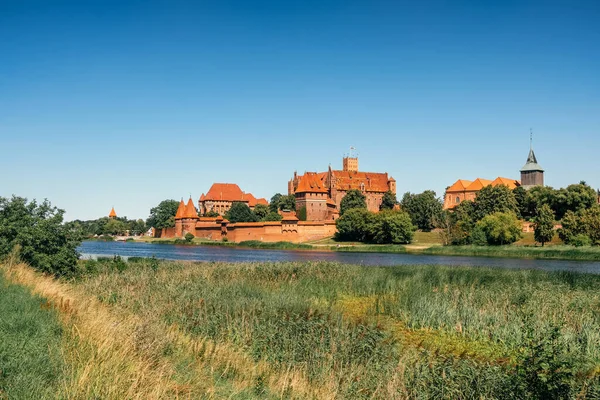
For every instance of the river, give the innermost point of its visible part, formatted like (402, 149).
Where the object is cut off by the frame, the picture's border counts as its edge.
(239, 254)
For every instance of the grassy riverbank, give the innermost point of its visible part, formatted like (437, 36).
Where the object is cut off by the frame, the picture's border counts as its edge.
(327, 330)
(543, 253)
(31, 366)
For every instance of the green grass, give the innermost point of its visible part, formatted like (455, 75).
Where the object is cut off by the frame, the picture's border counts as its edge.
(30, 339)
(369, 332)
(556, 252)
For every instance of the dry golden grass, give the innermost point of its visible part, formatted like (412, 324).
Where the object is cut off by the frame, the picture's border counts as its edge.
(112, 354)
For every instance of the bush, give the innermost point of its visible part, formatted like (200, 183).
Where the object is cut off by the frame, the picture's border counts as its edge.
(581, 240)
(352, 226)
(189, 237)
(391, 227)
(46, 244)
(500, 228)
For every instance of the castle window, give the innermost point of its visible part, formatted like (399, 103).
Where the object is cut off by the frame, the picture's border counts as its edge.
(457, 200)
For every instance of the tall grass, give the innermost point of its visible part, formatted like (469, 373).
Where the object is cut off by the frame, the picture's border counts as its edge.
(31, 365)
(363, 332)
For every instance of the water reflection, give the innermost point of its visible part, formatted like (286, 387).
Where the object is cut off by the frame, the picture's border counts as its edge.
(231, 254)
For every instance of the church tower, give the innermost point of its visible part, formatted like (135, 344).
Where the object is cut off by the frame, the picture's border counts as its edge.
(532, 173)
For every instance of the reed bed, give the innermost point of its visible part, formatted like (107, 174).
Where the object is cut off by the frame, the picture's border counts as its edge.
(366, 332)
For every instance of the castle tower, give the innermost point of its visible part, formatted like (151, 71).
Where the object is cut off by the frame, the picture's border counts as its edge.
(189, 218)
(112, 214)
(532, 173)
(179, 219)
(350, 164)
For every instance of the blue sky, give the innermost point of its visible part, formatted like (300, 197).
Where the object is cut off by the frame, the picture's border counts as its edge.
(128, 103)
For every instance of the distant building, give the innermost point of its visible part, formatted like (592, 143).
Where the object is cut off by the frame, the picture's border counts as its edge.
(532, 175)
(221, 196)
(463, 189)
(321, 193)
(112, 213)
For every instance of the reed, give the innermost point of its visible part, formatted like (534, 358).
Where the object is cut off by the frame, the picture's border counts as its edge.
(558, 252)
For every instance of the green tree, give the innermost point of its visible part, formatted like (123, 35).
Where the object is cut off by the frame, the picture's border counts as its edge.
(211, 214)
(353, 199)
(353, 225)
(494, 199)
(500, 228)
(115, 227)
(570, 227)
(45, 243)
(521, 199)
(590, 220)
(272, 217)
(388, 201)
(544, 225)
(391, 227)
(302, 213)
(261, 211)
(423, 209)
(240, 212)
(275, 201)
(189, 237)
(163, 215)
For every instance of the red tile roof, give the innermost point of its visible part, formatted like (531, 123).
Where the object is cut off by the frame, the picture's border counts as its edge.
(230, 192)
(373, 181)
(112, 213)
(511, 183)
(190, 210)
(180, 210)
(311, 182)
(459, 186)
(478, 184)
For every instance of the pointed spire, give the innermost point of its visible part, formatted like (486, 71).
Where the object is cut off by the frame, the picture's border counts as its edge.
(532, 163)
(180, 210)
(112, 213)
(190, 210)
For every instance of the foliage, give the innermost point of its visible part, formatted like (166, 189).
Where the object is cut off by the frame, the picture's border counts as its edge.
(271, 216)
(163, 215)
(500, 228)
(389, 201)
(354, 225)
(494, 199)
(211, 214)
(107, 226)
(115, 227)
(37, 229)
(353, 199)
(281, 202)
(302, 213)
(521, 198)
(462, 223)
(576, 198)
(189, 237)
(583, 223)
(544, 224)
(240, 212)
(544, 369)
(391, 227)
(261, 211)
(423, 208)
(581, 240)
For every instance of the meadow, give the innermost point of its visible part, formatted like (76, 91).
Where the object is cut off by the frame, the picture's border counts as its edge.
(157, 329)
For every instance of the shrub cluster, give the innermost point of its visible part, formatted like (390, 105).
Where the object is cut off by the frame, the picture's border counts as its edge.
(385, 227)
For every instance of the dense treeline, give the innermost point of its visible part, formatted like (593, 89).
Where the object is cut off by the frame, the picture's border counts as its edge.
(34, 233)
(108, 226)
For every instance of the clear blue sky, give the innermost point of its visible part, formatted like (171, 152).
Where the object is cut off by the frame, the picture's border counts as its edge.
(127, 103)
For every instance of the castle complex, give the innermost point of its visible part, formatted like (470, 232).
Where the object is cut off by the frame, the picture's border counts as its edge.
(532, 175)
(321, 193)
(221, 196)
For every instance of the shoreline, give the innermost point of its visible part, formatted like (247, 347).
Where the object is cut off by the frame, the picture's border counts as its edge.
(556, 252)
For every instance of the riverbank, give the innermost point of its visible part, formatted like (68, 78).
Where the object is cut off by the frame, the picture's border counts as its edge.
(554, 252)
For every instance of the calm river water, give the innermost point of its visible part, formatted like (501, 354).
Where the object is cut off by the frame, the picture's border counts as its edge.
(233, 254)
